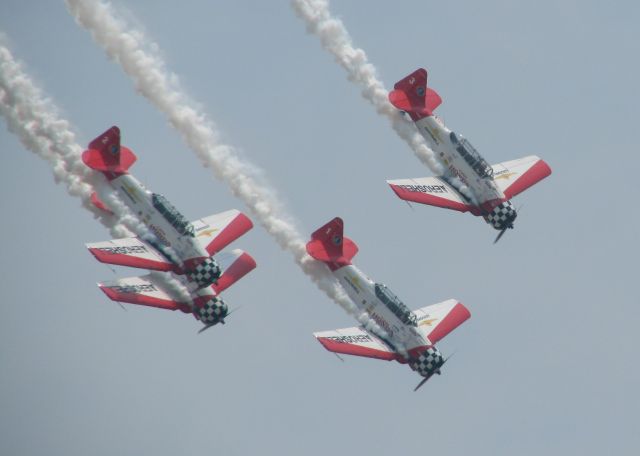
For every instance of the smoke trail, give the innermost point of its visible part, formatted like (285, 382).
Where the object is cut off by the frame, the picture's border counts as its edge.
(37, 123)
(335, 39)
(136, 56)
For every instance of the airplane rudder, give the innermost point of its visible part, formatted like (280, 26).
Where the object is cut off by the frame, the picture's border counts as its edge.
(107, 155)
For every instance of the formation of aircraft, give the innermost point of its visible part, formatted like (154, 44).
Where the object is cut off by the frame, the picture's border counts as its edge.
(489, 189)
(405, 336)
(186, 249)
(171, 245)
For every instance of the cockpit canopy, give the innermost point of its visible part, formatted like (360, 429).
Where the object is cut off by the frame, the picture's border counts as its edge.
(395, 305)
(471, 155)
(171, 215)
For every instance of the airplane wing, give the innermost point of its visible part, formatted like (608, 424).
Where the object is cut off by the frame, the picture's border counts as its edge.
(132, 252)
(217, 231)
(235, 264)
(438, 320)
(515, 176)
(433, 191)
(148, 290)
(355, 341)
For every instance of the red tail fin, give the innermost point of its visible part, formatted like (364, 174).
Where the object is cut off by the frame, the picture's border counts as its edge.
(107, 155)
(330, 246)
(412, 95)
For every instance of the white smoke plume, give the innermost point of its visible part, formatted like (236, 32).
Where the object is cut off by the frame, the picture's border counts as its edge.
(139, 59)
(37, 122)
(336, 40)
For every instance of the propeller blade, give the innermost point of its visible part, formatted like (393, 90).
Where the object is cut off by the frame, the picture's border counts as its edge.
(205, 328)
(500, 235)
(424, 380)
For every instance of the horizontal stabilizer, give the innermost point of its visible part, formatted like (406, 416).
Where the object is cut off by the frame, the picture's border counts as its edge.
(356, 341)
(131, 252)
(438, 320)
(515, 176)
(107, 155)
(217, 231)
(330, 246)
(412, 95)
(433, 191)
(97, 202)
(149, 290)
(235, 264)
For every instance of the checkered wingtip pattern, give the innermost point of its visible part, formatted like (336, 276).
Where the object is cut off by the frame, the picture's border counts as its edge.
(212, 312)
(502, 216)
(205, 273)
(428, 362)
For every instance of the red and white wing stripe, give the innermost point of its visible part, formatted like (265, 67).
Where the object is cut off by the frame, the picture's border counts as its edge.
(149, 290)
(433, 191)
(235, 265)
(438, 320)
(355, 341)
(515, 176)
(217, 231)
(131, 252)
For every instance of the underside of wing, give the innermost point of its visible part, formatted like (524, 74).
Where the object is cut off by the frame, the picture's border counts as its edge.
(154, 290)
(131, 252)
(235, 264)
(438, 320)
(356, 341)
(217, 231)
(433, 191)
(515, 176)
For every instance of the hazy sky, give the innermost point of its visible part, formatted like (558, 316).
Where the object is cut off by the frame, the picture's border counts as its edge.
(545, 365)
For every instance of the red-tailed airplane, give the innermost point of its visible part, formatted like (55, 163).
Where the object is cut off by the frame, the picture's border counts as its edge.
(490, 188)
(170, 242)
(405, 336)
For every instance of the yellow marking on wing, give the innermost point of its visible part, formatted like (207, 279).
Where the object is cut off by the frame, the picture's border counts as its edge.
(208, 232)
(427, 322)
(505, 175)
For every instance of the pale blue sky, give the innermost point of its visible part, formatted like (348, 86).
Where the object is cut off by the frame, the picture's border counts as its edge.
(546, 365)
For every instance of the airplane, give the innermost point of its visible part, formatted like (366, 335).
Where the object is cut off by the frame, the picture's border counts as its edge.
(490, 187)
(205, 304)
(170, 242)
(406, 336)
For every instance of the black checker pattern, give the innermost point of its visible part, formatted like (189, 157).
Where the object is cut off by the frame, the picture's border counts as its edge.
(212, 312)
(428, 362)
(205, 273)
(502, 216)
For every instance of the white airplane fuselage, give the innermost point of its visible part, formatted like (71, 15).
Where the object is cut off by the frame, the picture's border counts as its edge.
(172, 233)
(461, 160)
(362, 291)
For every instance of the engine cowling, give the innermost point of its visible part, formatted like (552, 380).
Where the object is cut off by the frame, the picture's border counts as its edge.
(213, 311)
(502, 216)
(428, 362)
(205, 273)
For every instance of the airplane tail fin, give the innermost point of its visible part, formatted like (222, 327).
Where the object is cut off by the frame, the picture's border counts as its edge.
(330, 246)
(412, 95)
(107, 155)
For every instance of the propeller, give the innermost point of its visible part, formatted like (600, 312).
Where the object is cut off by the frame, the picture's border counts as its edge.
(501, 233)
(424, 380)
(221, 321)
